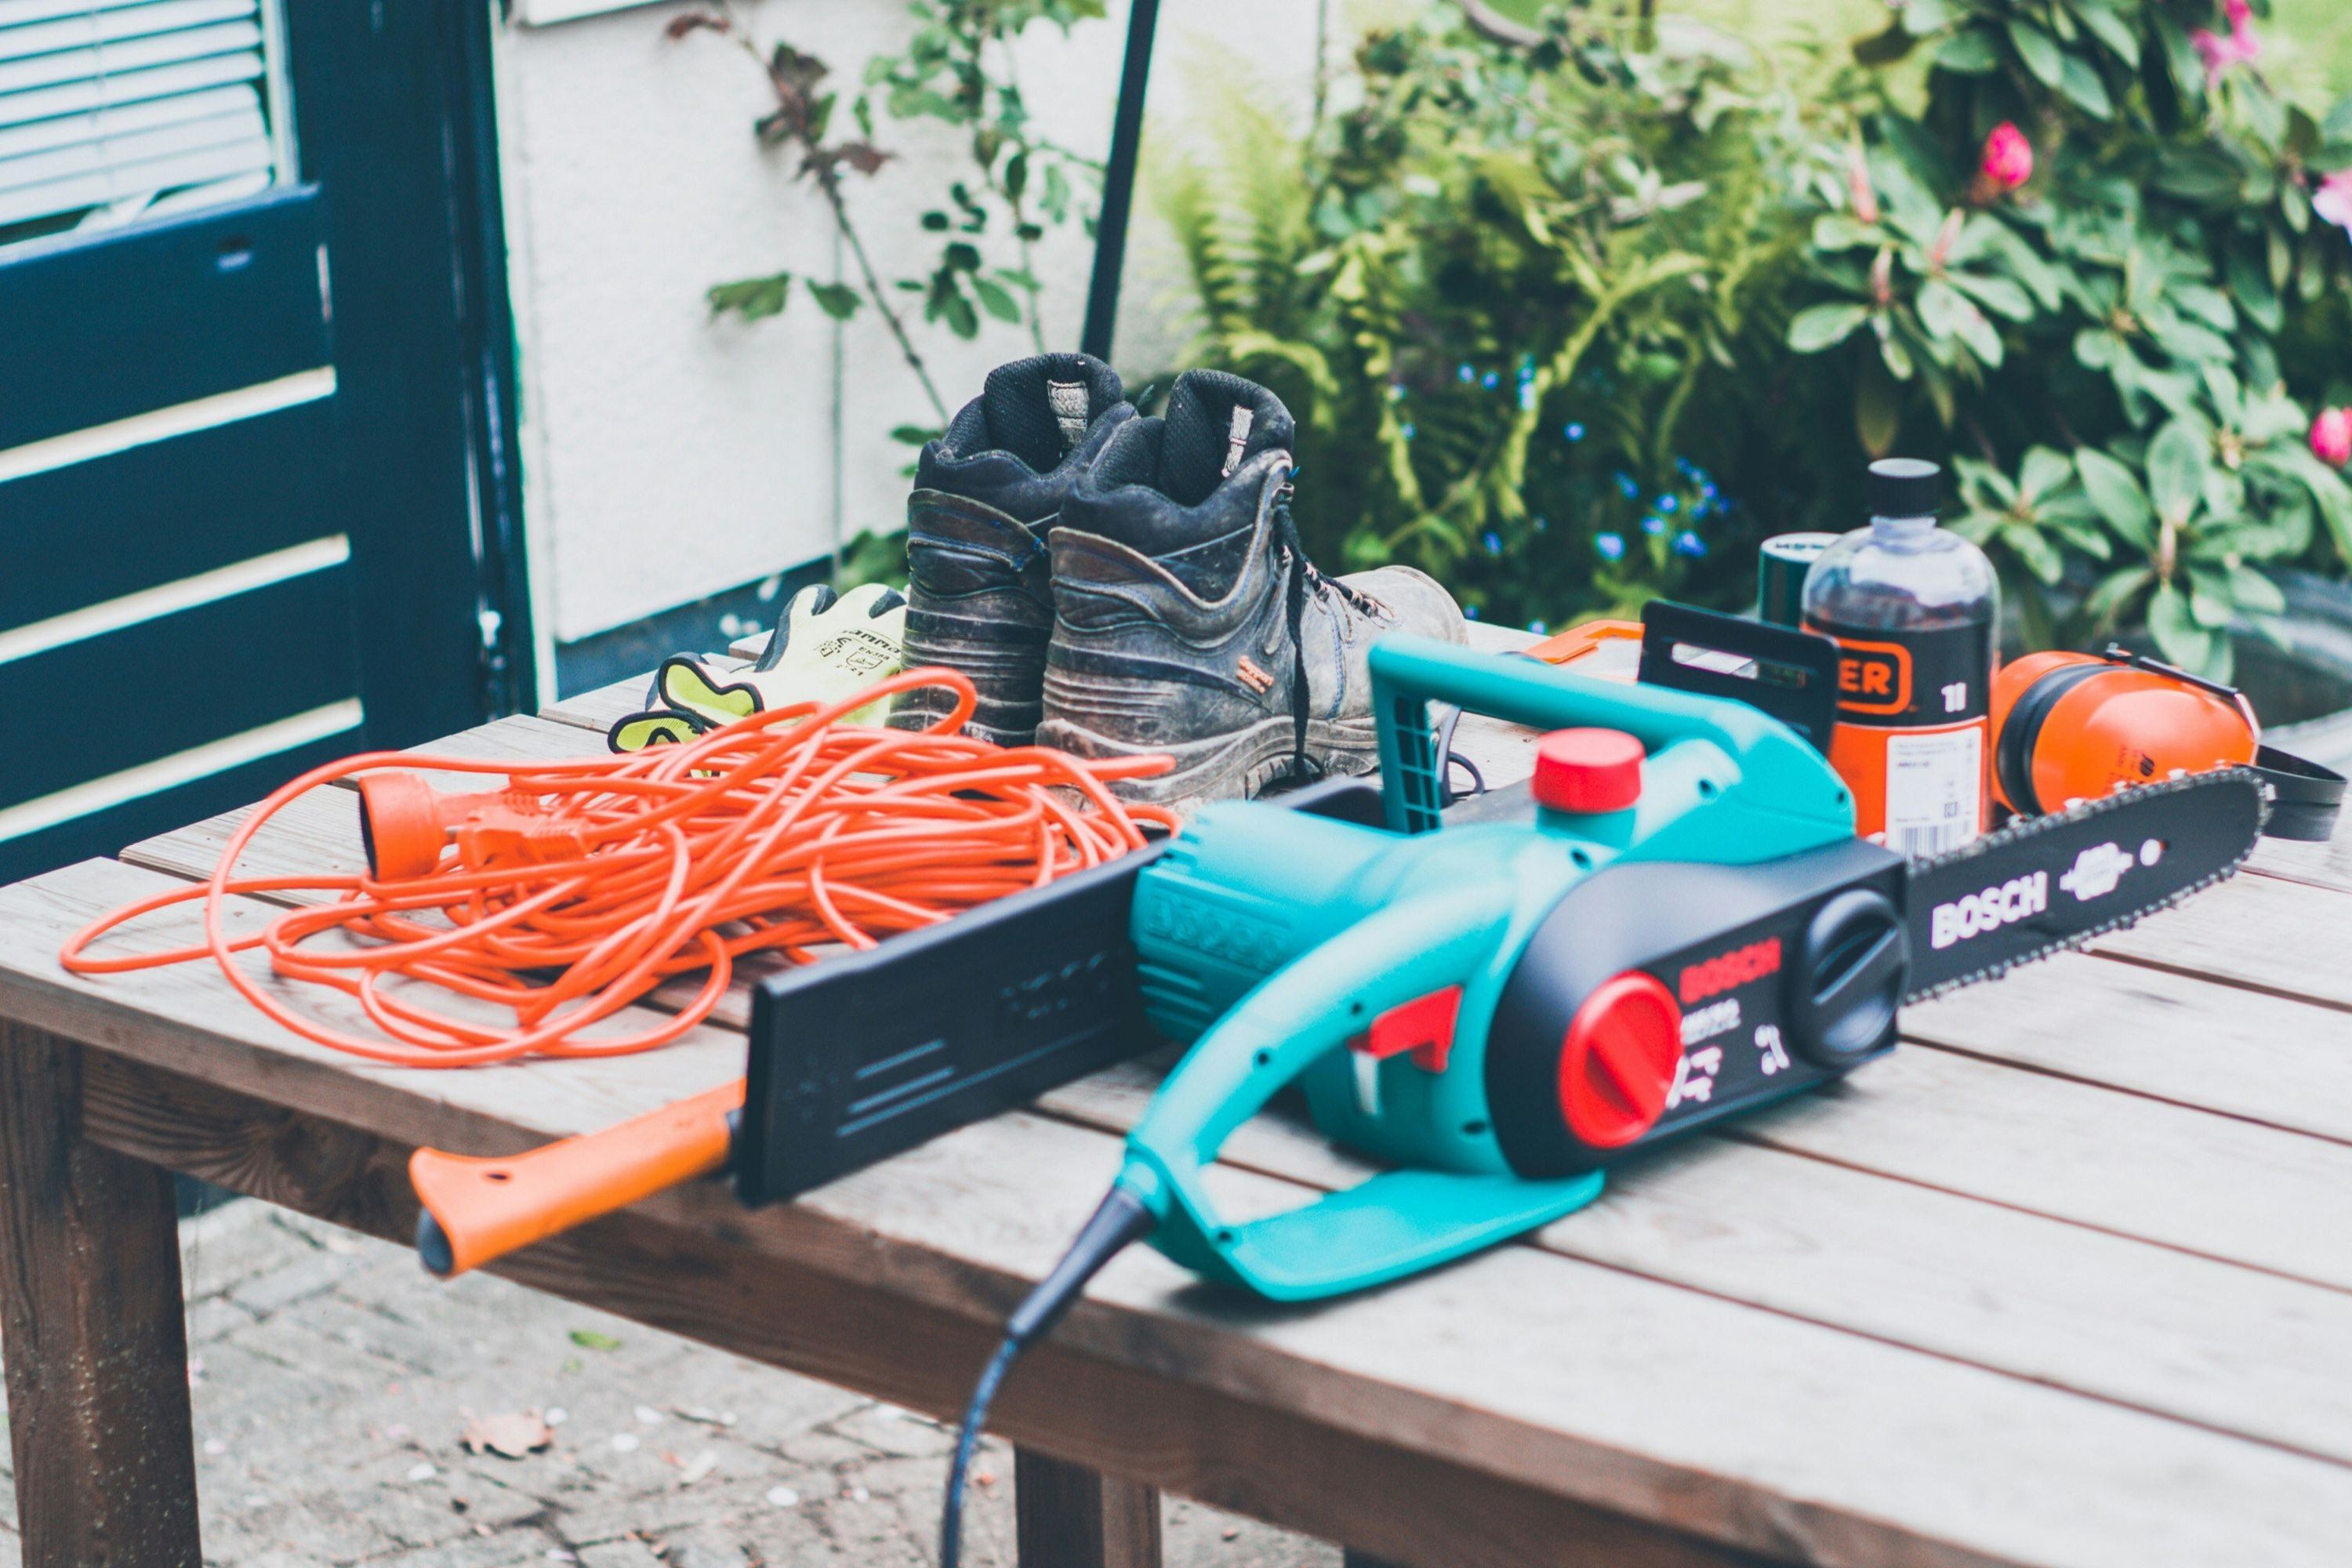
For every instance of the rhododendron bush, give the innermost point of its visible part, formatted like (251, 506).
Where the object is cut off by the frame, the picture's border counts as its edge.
(1577, 312)
(2104, 264)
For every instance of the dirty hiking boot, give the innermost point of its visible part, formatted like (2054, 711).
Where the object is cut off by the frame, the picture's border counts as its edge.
(987, 495)
(1188, 620)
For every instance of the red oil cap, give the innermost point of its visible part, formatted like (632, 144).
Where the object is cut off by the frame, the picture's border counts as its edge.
(1587, 770)
(1618, 1063)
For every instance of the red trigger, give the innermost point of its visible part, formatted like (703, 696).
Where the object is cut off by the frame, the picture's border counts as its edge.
(1424, 1026)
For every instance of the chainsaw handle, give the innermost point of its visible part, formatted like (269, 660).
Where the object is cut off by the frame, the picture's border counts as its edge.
(1393, 1223)
(474, 1210)
(1780, 775)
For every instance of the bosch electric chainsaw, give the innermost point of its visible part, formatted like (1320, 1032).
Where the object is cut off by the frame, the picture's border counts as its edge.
(1683, 927)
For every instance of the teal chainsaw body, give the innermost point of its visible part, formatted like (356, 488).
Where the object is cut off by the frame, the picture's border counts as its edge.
(1383, 970)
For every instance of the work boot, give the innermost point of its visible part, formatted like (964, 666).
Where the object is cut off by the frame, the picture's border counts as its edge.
(1189, 621)
(987, 495)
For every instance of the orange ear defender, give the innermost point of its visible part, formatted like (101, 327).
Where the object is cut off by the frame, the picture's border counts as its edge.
(2077, 726)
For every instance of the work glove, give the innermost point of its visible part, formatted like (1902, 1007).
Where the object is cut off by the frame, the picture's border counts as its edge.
(826, 647)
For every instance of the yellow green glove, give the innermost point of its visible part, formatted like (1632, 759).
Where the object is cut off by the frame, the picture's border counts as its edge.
(827, 645)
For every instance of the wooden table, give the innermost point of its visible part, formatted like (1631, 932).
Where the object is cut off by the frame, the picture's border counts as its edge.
(2067, 1280)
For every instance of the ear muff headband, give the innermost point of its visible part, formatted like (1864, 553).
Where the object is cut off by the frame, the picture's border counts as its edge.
(2304, 796)
(2022, 730)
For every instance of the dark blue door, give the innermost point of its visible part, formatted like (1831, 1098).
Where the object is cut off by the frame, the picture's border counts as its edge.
(255, 508)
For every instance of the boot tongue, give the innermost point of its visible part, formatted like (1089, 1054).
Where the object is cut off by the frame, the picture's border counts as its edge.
(1039, 408)
(1216, 423)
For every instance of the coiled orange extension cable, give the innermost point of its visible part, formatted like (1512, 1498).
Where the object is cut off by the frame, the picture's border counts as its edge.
(583, 886)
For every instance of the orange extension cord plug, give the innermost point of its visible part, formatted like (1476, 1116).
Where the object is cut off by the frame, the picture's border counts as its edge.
(587, 886)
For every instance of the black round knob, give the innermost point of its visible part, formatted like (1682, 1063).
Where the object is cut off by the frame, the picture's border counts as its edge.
(1848, 981)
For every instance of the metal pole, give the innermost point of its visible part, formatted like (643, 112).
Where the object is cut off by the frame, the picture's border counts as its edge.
(1118, 181)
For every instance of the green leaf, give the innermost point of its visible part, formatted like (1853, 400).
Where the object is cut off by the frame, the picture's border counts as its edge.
(2177, 633)
(2080, 81)
(1843, 231)
(2178, 461)
(2209, 599)
(1970, 52)
(2038, 51)
(2254, 592)
(1877, 409)
(2044, 472)
(1997, 294)
(1921, 17)
(1824, 326)
(995, 300)
(838, 301)
(2106, 603)
(914, 434)
(751, 298)
(591, 1340)
(2110, 29)
(1941, 308)
(2041, 557)
(2115, 491)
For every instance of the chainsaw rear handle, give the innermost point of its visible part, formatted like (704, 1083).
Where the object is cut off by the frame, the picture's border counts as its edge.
(1396, 1222)
(1779, 777)
(474, 1210)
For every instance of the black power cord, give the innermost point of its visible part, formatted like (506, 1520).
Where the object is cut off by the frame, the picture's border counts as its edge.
(1120, 1219)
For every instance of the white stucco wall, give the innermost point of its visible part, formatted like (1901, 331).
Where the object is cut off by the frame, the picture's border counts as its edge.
(669, 456)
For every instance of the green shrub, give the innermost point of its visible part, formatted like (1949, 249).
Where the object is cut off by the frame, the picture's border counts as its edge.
(1578, 317)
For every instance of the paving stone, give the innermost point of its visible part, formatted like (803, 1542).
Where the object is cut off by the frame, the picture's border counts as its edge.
(331, 1368)
(887, 1429)
(306, 1276)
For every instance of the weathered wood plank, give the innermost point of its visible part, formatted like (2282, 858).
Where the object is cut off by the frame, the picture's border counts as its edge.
(2177, 1037)
(1071, 1517)
(2291, 939)
(1517, 1398)
(184, 1016)
(91, 1317)
(2210, 1184)
(2326, 865)
(2144, 1325)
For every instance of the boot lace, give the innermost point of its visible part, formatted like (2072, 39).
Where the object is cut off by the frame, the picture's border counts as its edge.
(1305, 580)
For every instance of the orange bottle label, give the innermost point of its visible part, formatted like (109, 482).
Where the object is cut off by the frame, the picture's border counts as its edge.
(1913, 739)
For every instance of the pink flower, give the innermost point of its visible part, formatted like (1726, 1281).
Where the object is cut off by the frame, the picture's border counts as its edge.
(2333, 200)
(2007, 159)
(2331, 436)
(2240, 48)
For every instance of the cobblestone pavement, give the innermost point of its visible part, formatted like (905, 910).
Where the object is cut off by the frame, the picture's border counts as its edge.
(333, 1380)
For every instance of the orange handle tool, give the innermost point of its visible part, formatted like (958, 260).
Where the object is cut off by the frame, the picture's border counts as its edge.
(1568, 647)
(476, 1210)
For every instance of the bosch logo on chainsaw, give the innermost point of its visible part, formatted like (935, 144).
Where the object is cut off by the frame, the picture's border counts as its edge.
(1741, 964)
(1973, 914)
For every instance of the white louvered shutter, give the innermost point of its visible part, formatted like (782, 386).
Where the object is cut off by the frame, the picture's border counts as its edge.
(112, 109)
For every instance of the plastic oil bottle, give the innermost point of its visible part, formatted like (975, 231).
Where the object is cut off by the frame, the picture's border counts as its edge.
(1913, 607)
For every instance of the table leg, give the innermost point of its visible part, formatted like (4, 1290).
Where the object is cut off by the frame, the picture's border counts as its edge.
(91, 1325)
(1071, 1517)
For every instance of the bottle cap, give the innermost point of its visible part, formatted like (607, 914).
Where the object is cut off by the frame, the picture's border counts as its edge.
(1905, 487)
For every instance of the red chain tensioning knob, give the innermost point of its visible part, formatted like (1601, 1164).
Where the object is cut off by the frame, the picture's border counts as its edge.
(1588, 770)
(1618, 1063)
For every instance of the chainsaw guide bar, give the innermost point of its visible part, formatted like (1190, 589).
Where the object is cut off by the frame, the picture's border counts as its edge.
(2051, 884)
